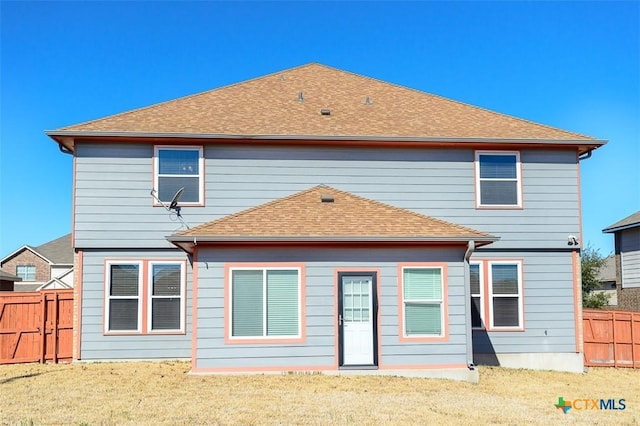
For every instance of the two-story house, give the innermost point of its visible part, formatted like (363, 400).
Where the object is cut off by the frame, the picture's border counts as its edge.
(336, 223)
(626, 260)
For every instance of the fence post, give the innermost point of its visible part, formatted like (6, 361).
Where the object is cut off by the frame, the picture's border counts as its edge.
(43, 329)
(54, 332)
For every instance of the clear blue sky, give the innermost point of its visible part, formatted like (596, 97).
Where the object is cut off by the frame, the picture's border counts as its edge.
(573, 65)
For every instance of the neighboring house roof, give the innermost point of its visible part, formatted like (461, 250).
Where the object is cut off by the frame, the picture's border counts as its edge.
(326, 214)
(5, 276)
(608, 271)
(29, 286)
(288, 105)
(631, 221)
(56, 252)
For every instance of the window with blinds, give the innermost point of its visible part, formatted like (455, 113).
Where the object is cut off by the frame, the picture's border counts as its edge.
(505, 290)
(265, 303)
(178, 167)
(422, 293)
(124, 297)
(498, 179)
(477, 304)
(166, 296)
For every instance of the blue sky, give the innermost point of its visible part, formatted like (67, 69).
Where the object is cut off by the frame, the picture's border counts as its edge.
(573, 65)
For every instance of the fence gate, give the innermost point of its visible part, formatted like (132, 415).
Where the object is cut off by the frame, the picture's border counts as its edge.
(36, 327)
(611, 338)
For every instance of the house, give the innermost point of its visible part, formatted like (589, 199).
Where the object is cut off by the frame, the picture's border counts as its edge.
(7, 281)
(626, 233)
(48, 266)
(607, 278)
(319, 220)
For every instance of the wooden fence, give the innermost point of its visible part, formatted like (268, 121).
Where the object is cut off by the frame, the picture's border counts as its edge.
(611, 338)
(36, 327)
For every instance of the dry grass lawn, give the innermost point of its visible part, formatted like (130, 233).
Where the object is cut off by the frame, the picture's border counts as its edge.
(164, 393)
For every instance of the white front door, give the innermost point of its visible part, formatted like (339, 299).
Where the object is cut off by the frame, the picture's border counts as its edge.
(357, 319)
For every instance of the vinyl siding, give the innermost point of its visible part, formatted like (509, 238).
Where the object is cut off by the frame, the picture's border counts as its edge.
(549, 311)
(319, 347)
(95, 344)
(114, 209)
(630, 257)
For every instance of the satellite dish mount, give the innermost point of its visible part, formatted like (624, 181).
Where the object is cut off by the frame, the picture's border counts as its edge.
(173, 206)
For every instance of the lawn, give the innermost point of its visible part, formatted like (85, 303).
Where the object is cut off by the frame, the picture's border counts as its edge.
(164, 393)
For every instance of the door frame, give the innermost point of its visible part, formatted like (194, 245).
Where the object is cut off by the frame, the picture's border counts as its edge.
(373, 273)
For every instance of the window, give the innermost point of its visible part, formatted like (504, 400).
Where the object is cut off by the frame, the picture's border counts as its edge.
(505, 294)
(166, 296)
(422, 301)
(123, 297)
(178, 167)
(498, 179)
(26, 272)
(477, 301)
(265, 303)
(129, 288)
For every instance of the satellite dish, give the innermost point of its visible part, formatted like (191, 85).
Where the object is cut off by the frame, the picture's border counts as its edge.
(174, 201)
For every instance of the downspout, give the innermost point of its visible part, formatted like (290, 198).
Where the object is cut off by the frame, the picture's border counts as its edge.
(587, 155)
(471, 246)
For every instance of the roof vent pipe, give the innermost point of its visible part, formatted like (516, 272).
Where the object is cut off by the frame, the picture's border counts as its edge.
(300, 97)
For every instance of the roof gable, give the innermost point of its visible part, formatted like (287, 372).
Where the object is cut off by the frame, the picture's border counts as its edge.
(289, 104)
(54, 252)
(324, 214)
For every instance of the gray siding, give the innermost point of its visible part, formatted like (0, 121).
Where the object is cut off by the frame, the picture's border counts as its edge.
(114, 209)
(319, 349)
(95, 344)
(549, 314)
(630, 257)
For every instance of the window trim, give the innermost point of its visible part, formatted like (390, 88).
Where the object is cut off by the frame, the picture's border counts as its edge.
(228, 301)
(490, 297)
(201, 172)
(518, 180)
(481, 295)
(26, 266)
(150, 298)
(108, 297)
(444, 312)
(144, 296)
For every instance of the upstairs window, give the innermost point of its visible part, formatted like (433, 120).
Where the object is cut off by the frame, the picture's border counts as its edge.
(498, 179)
(26, 272)
(179, 167)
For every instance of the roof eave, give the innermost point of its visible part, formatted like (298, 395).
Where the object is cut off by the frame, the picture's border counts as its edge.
(189, 242)
(611, 230)
(67, 138)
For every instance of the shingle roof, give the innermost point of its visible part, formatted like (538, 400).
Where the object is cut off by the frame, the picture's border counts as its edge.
(342, 216)
(631, 221)
(8, 277)
(607, 272)
(289, 103)
(59, 251)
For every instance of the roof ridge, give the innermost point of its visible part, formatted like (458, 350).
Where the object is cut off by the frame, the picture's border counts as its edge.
(192, 95)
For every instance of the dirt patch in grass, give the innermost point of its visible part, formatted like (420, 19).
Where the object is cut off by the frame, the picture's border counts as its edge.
(164, 393)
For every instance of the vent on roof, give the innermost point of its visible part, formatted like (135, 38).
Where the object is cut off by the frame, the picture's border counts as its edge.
(367, 101)
(326, 198)
(325, 111)
(300, 97)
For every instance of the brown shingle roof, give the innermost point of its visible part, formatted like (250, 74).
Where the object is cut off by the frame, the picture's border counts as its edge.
(359, 107)
(304, 216)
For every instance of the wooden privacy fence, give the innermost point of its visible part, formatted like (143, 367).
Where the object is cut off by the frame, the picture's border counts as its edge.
(36, 327)
(611, 338)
